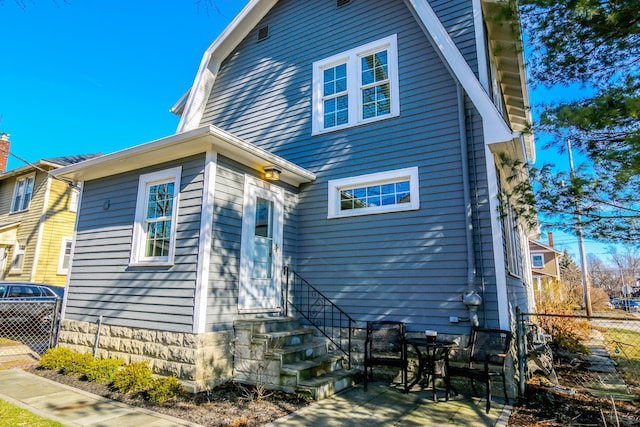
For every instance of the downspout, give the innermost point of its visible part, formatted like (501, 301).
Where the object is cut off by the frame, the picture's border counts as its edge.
(471, 299)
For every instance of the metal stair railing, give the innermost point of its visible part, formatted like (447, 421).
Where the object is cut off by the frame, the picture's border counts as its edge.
(318, 310)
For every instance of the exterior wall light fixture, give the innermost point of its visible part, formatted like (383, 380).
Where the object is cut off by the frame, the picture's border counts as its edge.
(271, 173)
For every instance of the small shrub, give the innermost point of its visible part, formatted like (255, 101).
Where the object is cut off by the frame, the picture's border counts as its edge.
(163, 389)
(133, 378)
(77, 364)
(56, 358)
(103, 370)
(239, 422)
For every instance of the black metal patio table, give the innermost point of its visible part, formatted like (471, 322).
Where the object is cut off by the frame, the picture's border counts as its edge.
(428, 353)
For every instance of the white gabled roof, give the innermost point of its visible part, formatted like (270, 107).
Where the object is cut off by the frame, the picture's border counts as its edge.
(191, 105)
(183, 145)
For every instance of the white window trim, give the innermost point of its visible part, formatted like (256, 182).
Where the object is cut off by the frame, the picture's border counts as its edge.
(15, 192)
(139, 235)
(18, 249)
(533, 263)
(74, 199)
(61, 269)
(352, 59)
(335, 185)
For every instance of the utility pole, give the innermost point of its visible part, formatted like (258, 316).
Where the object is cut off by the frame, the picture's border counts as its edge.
(586, 288)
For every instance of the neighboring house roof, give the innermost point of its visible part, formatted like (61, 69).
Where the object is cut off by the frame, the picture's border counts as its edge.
(69, 160)
(54, 162)
(191, 105)
(185, 144)
(542, 247)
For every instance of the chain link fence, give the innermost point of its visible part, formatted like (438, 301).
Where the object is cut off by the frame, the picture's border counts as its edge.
(600, 353)
(28, 326)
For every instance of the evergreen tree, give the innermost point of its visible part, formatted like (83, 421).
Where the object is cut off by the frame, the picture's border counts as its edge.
(593, 45)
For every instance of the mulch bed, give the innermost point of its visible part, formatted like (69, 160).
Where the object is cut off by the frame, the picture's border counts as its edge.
(237, 406)
(231, 404)
(570, 405)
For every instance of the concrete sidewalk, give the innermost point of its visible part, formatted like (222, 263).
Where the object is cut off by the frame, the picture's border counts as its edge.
(73, 407)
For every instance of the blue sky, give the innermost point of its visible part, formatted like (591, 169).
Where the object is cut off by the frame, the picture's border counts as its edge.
(99, 76)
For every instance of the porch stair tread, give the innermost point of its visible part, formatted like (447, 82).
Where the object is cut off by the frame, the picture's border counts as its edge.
(294, 367)
(289, 349)
(328, 384)
(303, 330)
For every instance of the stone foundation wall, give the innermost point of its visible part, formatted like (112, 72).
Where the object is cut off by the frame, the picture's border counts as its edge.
(200, 361)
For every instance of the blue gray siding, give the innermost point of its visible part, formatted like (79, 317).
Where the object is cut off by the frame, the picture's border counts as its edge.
(409, 265)
(457, 18)
(103, 283)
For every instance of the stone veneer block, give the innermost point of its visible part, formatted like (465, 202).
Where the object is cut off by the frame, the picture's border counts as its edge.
(200, 361)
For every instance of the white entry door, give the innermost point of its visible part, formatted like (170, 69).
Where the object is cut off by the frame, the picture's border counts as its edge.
(261, 250)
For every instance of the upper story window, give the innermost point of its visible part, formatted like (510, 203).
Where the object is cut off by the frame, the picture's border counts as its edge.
(156, 213)
(537, 261)
(22, 193)
(390, 191)
(357, 86)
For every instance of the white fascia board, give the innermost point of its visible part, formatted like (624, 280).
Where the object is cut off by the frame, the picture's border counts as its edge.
(502, 293)
(494, 126)
(182, 145)
(230, 37)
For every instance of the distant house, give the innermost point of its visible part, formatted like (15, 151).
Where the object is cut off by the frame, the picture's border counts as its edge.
(346, 145)
(545, 265)
(37, 219)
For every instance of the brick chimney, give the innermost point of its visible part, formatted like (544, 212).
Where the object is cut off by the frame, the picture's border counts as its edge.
(4, 151)
(550, 238)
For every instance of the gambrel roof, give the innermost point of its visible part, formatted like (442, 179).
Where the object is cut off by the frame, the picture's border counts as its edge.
(510, 63)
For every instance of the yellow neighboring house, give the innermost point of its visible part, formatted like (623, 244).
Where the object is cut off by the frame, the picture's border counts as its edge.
(37, 219)
(545, 265)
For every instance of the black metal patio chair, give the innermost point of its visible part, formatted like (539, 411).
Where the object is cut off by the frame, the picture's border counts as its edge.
(385, 345)
(489, 349)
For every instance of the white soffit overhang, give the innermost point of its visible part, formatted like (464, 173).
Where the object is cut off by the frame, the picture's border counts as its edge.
(495, 127)
(507, 50)
(9, 233)
(191, 105)
(183, 145)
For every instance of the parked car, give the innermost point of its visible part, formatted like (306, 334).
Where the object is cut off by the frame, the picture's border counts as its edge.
(22, 302)
(627, 304)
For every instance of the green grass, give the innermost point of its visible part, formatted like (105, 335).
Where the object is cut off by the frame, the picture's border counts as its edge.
(14, 416)
(624, 346)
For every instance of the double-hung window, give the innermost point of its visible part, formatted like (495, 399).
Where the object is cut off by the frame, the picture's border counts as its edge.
(22, 193)
(156, 214)
(357, 86)
(390, 191)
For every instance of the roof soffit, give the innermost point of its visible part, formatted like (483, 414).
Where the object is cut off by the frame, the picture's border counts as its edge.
(183, 145)
(505, 46)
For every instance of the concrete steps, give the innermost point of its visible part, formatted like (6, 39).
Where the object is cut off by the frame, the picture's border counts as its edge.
(279, 353)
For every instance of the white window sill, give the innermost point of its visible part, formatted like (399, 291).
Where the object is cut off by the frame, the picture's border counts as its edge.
(151, 264)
